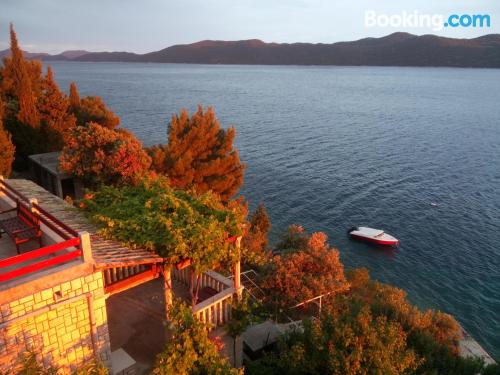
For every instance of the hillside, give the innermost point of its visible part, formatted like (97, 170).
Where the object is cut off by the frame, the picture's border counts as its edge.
(398, 49)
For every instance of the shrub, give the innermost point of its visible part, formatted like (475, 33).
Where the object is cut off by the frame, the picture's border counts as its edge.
(99, 155)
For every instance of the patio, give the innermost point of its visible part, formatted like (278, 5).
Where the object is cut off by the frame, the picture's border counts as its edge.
(136, 322)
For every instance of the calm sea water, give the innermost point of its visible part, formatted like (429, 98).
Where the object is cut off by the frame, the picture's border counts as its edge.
(330, 147)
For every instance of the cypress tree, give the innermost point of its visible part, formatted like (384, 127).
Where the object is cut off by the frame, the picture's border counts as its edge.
(54, 113)
(7, 149)
(74, 97)
(17, 73)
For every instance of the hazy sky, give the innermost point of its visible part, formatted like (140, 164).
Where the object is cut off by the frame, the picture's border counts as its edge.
(148, 25)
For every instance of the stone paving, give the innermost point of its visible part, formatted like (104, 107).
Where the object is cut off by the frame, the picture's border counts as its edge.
(136, 323)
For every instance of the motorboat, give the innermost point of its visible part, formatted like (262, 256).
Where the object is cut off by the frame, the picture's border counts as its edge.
(376, 236)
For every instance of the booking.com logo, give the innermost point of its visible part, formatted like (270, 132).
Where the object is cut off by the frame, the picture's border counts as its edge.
(435, 21)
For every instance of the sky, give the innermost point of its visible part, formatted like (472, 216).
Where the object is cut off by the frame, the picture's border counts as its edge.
(148, 25)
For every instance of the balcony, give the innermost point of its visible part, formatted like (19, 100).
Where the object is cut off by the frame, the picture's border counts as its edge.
(58, 247)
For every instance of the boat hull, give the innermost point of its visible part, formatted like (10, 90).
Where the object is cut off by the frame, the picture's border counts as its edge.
(375, 240)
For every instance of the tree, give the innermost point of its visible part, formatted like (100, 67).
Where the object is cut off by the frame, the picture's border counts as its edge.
(241, 316)
(54, 113)
(190, 351)
(18, 80)
(200, 154)
(348, 340)
(432, 335)
(91, 109)
(313, 270)
(175, 224)
(7, 149)
(99, 155)
(255, 241)
(35, 109)
(295, 238)
(74, 97)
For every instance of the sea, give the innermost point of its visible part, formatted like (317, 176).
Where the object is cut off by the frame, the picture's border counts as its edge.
(412, 151)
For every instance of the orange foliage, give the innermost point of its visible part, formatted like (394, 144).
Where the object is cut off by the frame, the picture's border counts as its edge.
(56, 120)
(392, 302)
(20, 80)
(313, 270)
(74, 96)
(98, 155)
(255, 240)
(200, 154)
(92, 109)
(7, 149)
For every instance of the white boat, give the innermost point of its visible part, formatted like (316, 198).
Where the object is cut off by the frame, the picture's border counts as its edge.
(377, 236)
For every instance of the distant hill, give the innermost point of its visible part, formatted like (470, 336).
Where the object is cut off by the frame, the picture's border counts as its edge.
(28, 55)
(398, 49)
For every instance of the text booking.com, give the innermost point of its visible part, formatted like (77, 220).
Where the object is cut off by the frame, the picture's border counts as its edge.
(434, 21)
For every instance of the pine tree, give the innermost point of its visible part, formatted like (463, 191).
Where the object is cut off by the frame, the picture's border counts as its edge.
(54, 113)
(200, 154)
(74, 97)
(92, 109)
(7, 149)
(256, 239)
(18, 77)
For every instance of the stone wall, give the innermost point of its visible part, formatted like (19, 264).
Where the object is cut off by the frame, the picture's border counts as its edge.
(65, 324)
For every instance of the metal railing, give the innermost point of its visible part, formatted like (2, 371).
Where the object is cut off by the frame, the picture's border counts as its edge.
(69, 249)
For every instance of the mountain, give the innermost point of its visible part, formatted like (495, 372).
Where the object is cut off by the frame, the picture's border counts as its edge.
(66, 55)
(398, 49)
(28, 55)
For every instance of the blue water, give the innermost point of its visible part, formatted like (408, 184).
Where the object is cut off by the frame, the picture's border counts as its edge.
(329, 147)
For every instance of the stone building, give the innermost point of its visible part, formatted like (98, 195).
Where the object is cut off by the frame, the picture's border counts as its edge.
(53, 295)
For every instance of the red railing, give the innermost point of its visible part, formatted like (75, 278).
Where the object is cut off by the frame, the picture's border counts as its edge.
(68, 250)
(55, 224)
(11, 192)
(42, 264)
(46, 218)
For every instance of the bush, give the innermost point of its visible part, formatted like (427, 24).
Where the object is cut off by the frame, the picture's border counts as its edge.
(99, 155)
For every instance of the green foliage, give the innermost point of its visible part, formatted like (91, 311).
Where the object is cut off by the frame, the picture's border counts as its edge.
(92, 368)
(173, 223)
(243, 314)
(29, 365)
(439, 359)
(190, 351)
(295, 238)
(493, 369)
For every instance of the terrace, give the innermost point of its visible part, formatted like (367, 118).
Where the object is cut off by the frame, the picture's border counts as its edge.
(59, 246)
(137, 285)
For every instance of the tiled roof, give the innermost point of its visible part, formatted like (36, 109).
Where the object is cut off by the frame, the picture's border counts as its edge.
(106, 253)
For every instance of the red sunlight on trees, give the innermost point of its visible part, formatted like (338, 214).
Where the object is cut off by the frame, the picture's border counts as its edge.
(7, 149)
(99, 155)
(310, 271)
(200, 154)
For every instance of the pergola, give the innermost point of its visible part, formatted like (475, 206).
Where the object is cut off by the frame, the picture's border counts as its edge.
(124, 267)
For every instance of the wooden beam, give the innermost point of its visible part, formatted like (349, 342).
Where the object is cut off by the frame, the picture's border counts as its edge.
(130, 282)
(167, 288)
